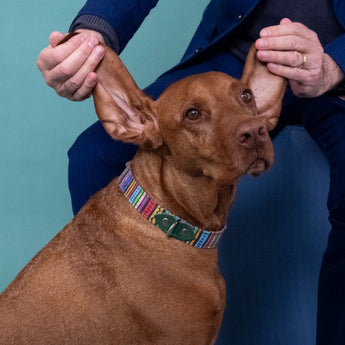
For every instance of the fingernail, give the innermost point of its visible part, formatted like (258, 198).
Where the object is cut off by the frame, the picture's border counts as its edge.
(272, 66)
(93, 42)
(264, 54)
(265, 32)
(99, 51)
(82, 37)
(262, 43)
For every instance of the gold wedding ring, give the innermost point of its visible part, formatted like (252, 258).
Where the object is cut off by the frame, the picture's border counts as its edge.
(304, 61)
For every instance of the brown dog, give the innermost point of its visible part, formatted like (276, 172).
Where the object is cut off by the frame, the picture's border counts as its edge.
(113, 277)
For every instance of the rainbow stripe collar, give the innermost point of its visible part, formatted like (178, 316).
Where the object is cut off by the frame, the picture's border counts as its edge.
(172, 225)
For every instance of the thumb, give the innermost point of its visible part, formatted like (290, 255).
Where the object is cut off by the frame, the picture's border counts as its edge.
(55, 38)
(285, 21)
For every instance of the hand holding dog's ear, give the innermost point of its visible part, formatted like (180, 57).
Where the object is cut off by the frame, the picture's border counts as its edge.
(68, 63)
(126, 112)
(268, 88)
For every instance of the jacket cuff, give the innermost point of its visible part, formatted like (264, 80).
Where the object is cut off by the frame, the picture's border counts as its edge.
(92, 22)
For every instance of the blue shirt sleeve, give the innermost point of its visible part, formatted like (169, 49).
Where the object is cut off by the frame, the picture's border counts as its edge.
(117, 20)
(336, 51)
(91, 22)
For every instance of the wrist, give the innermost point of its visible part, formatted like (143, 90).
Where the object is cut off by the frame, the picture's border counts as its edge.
(334, 77)
(92, 33)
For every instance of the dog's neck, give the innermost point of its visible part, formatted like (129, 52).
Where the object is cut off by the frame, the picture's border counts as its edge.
(195, 199)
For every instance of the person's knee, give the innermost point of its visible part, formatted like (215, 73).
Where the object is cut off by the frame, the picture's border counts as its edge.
(94, 160)
(87, 155)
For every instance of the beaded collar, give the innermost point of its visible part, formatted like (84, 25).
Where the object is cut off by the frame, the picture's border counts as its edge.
(170, 224)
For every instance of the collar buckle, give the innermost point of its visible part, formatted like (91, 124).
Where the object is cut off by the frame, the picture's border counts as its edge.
(174, 227)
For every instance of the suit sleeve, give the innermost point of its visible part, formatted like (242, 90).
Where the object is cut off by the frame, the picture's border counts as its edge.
(337, 52)
(117, 20)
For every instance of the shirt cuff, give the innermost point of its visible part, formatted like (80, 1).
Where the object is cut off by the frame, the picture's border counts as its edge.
(92, 22)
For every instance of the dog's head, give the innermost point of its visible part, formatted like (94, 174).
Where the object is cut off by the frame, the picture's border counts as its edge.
(210, 123)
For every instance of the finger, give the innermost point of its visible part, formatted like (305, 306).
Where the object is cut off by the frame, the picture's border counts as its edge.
(286, 28)
(85, 91)
(79, 82)
(286, 43)
(72, 64)
(53, 56)
(55, 37)
(287, 58)
(285, 21)
(293, 73)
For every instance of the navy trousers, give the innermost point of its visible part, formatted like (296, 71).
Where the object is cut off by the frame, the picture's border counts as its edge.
(324, 119)
(95, 159)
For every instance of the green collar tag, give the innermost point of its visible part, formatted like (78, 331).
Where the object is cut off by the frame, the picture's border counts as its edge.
(174, 227)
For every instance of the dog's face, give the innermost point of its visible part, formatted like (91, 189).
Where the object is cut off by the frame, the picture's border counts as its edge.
(209, 124)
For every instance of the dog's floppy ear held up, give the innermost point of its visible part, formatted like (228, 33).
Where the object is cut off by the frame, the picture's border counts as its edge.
(126, 112)
(268, 88)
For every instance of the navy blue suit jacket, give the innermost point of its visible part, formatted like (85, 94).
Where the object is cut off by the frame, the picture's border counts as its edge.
(219, 20)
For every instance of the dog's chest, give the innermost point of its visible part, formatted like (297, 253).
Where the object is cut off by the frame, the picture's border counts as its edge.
(180, 296)
(170, 292)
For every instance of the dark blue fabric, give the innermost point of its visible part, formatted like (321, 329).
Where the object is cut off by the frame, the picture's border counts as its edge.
(94, 160)
(317, 15)
(219, 22)
(325, 121)
(124, 16)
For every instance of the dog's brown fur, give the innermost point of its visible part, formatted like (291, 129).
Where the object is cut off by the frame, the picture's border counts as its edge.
(110, 277)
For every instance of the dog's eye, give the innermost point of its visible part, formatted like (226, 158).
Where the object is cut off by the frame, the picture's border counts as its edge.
(247, 96)
(192, 114)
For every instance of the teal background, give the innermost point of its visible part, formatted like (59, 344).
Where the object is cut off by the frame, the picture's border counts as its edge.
(37, 127)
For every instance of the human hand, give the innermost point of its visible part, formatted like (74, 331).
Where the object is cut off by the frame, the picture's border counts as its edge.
(293, 51)
(69, 68)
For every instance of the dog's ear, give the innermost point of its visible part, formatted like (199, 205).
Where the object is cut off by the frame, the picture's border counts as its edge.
(126, 112)
(268, 88)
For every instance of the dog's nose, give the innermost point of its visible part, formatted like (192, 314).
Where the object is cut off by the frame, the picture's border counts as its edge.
(252, 134)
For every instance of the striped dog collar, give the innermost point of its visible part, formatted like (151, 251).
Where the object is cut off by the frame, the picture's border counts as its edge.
(172, 225)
